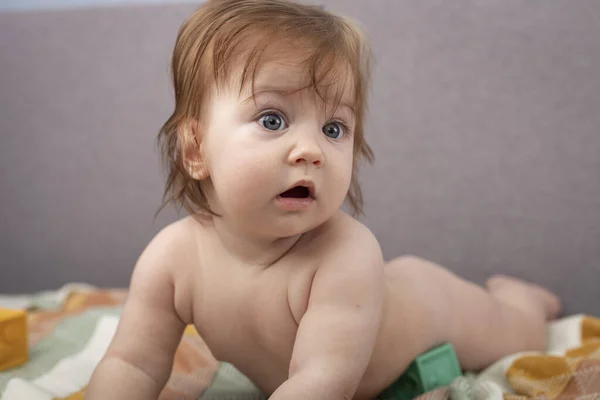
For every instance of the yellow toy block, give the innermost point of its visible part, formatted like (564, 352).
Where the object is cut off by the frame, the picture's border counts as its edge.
(13, 338)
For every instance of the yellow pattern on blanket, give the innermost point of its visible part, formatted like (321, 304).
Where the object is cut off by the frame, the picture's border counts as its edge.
(570, 374)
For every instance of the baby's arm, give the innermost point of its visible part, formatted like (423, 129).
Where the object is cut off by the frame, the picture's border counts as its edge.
(138, 362)
(337, 333)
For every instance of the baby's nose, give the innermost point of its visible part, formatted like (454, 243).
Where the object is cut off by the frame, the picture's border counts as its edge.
(307, 153)
(315, 159)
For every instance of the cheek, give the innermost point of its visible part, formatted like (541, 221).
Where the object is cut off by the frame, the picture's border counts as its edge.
(344, 180)
(243, 178)
(341, 175)
(345, 173)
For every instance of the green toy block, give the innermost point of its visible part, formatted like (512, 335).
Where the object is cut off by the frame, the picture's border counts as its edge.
(436, 368)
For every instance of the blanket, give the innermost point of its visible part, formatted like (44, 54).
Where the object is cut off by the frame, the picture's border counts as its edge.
(70, 330)
(568, 370)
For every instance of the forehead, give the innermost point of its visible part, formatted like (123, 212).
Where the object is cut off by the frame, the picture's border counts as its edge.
(287, 70)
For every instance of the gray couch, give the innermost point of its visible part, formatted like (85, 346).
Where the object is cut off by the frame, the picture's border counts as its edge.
(485, 120)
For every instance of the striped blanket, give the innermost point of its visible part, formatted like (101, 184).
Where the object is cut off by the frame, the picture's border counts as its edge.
(70, 330)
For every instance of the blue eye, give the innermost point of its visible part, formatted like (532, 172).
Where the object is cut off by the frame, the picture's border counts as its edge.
(334, 130)
(272, 122)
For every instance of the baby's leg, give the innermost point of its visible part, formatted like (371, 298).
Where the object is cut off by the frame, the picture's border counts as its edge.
(485, 325)
(525, 296)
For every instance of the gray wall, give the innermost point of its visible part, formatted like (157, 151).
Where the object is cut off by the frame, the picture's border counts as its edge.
(484, 118)
(61, 4)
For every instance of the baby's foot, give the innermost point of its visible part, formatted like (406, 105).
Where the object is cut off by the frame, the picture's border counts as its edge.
(524, 294)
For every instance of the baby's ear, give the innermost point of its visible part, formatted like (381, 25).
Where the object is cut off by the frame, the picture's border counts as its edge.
(191, 150)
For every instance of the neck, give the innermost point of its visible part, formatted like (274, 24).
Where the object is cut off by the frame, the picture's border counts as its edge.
(250, 249)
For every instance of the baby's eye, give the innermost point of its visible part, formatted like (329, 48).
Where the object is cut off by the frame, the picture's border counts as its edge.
(272, 121)
(334, 130)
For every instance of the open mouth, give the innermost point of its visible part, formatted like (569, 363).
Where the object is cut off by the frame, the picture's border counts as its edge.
(297, 192)
(299, 197)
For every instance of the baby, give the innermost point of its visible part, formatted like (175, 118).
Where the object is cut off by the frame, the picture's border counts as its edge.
(263, 148)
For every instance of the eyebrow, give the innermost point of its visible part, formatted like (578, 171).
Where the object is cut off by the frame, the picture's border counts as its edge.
(348, 106)
(286, 92)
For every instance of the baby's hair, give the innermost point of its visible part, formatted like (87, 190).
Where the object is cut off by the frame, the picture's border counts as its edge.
(224, 34)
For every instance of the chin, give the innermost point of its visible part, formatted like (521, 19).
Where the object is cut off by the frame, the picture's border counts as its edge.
(289, 229)
(297, 224)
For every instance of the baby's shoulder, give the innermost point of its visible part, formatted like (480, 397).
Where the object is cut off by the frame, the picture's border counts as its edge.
(176, 235)
(343, 230)
(167, 265)
(343, 234)
(175, 245)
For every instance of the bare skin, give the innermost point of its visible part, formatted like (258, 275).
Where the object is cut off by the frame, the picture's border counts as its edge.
(285, 286)
(250, 316)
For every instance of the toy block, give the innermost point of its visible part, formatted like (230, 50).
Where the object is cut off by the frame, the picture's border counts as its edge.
(13, 338)
(434, 369)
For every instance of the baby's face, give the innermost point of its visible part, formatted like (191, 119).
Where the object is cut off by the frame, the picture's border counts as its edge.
(280, 162)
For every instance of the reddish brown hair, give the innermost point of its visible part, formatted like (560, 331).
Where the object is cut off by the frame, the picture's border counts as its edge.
(208, 48)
